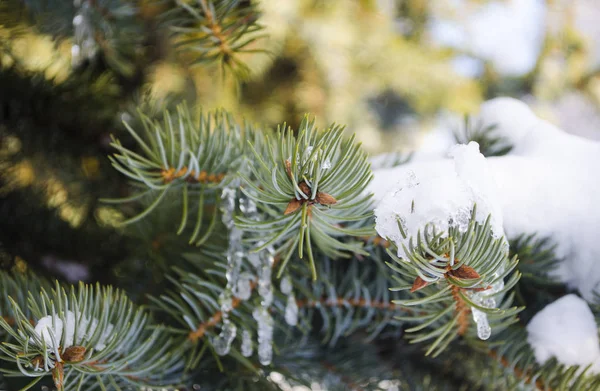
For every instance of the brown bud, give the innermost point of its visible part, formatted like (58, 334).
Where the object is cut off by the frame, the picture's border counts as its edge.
(293, 206)
(305, 188)
(418, 284)
(464, 273)
(38, 361)
(74, 354)
(58, 375)
(325, 199)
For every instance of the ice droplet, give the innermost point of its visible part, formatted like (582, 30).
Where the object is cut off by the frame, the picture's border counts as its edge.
(222, 343)
(247, 344)
(243, 289)
(247, 206)
(264, 321)
(291, 311)
(226, 302)
(483, 327)
(326, 164)
(286, 285)
(265, 288)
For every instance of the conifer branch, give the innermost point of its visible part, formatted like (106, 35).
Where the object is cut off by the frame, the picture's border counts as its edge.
(311, 187)
(215, 31)
(453, 277)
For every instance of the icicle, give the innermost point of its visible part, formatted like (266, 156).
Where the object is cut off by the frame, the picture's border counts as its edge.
(286, 285)
(247, 344)
(222, 343)
(486, 299)
(84, 45)
(265, 288)
(483, 327)
(264, 321)
(235, 252)
(291, 311)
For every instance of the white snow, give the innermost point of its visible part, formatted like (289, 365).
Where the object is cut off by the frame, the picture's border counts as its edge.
(565, 329)
(49, 327)
(440, 197)
(547, 185)
(507, 33)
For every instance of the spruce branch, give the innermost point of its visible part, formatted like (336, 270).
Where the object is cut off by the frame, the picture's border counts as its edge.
(193, 159)
(88, 333)
(311, 189)
(355, 296)
(215, 31)
(453, 277)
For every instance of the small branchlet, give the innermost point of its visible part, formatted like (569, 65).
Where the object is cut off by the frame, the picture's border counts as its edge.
(454, 276)
(194, 159)
(311, 188)
(86, 334)
(215, 31)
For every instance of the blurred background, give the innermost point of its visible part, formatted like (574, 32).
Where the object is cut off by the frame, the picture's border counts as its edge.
(398, 73)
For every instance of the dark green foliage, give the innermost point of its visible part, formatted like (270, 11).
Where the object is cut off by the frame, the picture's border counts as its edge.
(489, 144)
(537, 260)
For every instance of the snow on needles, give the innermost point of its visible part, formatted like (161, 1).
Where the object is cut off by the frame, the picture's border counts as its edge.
(565, 329)
(50, 330)
(548, 185)
(440, 197)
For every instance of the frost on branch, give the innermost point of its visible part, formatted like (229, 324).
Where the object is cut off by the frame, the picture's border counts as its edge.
(440, 198)
(565, 329)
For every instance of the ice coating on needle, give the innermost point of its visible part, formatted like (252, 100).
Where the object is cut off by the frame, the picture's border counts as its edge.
(565, 329)
(441, 198)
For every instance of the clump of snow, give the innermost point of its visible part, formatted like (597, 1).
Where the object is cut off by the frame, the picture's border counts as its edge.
(50, 330)
(547, 185)
(440, 198)
(565, 329)
(531, 135)
(507, 33)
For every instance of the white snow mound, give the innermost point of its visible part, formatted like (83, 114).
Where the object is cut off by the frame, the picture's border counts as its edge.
(440, 198)
(565, 329)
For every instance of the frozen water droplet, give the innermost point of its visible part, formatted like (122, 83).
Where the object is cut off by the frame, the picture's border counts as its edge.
(326, 164)
(247, 206)
(265, 288)
(222, 343)
(247, 344)
(291, 311)
(483, 327)
(226, 302)
(77, 20)
(243, 289)
(286, 285)
(264, 321)
(484, 331)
